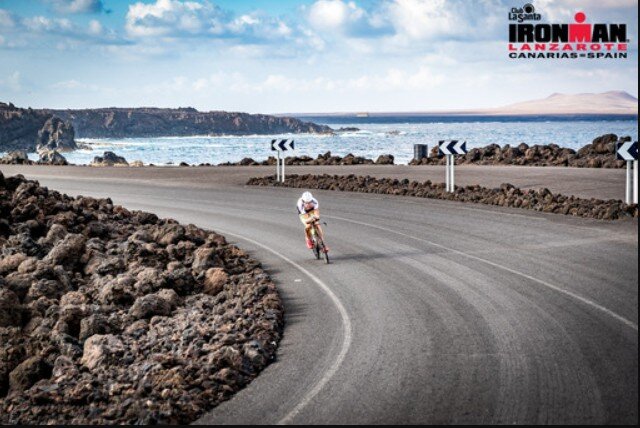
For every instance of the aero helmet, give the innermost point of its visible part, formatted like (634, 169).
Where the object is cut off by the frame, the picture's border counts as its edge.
(307, 197)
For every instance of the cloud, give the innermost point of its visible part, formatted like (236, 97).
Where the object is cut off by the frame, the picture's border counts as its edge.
(173, 18)
(41, 24)
(95, 27)
(74, 84)
(187, 19)
(420, 78)
(346, 18)
(78, 6)
(57, 31)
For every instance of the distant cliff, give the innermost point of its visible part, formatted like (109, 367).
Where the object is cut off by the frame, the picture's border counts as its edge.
(31, 130)
(157, 122)
(19, 127)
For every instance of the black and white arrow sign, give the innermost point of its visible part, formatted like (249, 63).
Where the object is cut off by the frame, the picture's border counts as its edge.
(283, 145)
(627, 151)
(453, 147)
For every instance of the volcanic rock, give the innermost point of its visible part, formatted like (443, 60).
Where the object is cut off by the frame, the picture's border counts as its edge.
(506, 195)
(51, 157)
(56, 135)
(107, 315)
(109, 159)
(16, 157)
(599, 154)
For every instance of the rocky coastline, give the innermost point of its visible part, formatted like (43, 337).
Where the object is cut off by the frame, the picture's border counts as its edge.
(111, 316)
(506, 195)
(600, 153)
(34, 130)
(166, 122)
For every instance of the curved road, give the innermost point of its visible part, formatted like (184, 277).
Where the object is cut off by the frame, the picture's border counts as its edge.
(431, 312)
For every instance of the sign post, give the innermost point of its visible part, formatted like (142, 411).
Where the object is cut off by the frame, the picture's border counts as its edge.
(446, 172)
(635, 181)
(629, 188)
(628, 151)
(281, 146)
(450, 149)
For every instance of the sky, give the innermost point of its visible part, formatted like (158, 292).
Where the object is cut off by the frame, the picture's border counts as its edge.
(286, 56)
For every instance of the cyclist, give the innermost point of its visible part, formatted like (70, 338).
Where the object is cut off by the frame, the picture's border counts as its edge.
(309, 211)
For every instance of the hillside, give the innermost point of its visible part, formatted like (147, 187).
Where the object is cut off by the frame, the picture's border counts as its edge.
(612, 102)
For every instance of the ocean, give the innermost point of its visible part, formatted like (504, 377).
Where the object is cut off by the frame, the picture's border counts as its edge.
(377, 135)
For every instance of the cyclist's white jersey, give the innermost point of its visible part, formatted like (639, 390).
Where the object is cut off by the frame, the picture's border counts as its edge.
(301, 209)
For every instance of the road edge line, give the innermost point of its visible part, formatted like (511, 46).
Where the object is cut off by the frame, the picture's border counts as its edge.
(346, 324)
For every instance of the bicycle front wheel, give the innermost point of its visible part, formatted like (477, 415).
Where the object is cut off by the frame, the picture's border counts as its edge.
(323, 250)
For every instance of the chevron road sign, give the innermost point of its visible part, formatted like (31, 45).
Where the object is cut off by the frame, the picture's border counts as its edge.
(283, 145)
(450, 149)
(627, 151)
(453, 147)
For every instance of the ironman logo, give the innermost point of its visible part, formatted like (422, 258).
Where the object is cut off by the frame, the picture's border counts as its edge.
(578, 39)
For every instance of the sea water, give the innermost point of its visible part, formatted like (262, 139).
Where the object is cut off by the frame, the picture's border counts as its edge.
(377, 135)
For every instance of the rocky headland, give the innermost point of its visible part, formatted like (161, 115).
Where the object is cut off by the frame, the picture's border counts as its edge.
(506, 195)
(111, 316)
(34, 131)
(163, 122)
(600, 153)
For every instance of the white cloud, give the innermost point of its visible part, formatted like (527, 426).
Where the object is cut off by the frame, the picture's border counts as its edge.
(347, 18)
(172, 17)
(78, 6)
(43, 24)
(95, 27)
(62, 33)
(178, 19)
(396, 79)
(422, 19)
(332, 14)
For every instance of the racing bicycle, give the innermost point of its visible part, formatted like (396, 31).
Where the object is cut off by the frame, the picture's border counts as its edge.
(319, 249)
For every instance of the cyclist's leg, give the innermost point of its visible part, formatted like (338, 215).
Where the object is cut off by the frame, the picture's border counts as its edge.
(307, 231)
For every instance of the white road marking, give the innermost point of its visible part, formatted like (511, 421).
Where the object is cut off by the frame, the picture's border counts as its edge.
(346, 334)
(584, 300)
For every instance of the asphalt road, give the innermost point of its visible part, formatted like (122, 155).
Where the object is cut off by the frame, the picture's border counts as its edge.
(431, 312)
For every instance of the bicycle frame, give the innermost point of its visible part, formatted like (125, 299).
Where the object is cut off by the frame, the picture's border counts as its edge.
(318, 242)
